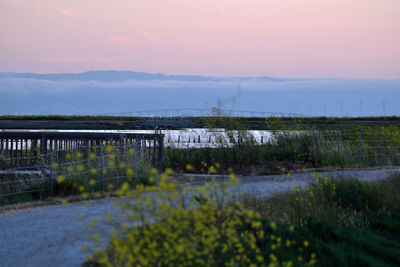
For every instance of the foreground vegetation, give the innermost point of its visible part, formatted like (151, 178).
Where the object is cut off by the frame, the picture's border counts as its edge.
(334, 222)
(347, 222)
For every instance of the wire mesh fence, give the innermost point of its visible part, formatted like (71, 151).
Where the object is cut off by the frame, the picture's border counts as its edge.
(304, 147)
(54, 165)
(363, 147)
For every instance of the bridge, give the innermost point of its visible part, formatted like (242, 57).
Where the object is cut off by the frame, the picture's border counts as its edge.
(201, 112)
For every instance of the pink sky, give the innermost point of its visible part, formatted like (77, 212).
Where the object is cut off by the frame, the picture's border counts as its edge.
(284, 38)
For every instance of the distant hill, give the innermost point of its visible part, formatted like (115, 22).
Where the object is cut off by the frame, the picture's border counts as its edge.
(113, 75)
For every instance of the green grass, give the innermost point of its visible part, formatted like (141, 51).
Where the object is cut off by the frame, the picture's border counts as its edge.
(370, 246)
(348, 222)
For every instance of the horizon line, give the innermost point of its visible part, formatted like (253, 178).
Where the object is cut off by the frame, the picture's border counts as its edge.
(199, 75)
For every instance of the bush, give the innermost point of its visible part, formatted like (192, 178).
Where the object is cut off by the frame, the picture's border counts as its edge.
(206, 227)
(335, 222)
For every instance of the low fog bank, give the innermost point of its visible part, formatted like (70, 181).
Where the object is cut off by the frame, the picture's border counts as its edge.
(41, 94)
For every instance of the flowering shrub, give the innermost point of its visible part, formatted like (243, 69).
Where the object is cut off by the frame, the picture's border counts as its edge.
(203, 226)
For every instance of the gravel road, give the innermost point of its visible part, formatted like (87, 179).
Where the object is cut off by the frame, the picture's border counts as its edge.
(53, 235)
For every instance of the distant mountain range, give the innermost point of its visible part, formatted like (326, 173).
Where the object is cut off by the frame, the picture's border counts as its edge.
(113, 75)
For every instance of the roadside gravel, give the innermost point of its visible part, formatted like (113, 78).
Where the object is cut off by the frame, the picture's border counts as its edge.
(53, 235)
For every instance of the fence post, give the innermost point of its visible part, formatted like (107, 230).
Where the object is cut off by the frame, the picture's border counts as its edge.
(338, 141)
(361, 147)
(51, 168)
(43, 150)
(160, 152)
(380, 147)
(154, 151)
(7, 150)
(314, 145)
(12, 151)
(123, 144)
(33, 151)
(101, 165)
(139, 146)
(135, 153)
(142, 146)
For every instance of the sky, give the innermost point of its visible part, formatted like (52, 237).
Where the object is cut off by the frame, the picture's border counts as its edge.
(281, 38)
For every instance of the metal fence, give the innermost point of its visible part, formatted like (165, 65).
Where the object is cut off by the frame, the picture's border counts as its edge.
(363, 147)
(357, 146)
(34, 161)
(39, 161)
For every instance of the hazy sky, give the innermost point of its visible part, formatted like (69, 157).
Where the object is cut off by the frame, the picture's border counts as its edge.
(286, 38)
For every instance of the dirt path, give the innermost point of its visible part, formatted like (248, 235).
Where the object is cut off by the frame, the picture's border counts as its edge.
(53, 235)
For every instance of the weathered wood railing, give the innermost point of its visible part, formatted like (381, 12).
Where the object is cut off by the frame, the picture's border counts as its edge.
(29, 149)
